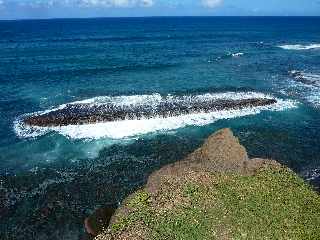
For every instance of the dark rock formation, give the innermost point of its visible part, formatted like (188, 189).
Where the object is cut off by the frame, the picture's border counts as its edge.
(74, 114)
(98, 221)
(300, 77)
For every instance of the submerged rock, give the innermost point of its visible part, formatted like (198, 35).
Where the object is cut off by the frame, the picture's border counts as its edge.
(73, 114)
(305, 78)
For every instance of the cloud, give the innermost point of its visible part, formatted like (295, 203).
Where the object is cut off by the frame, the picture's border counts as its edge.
(2, 3)
(84, 3)
(211, 3)
(115, 3)
(104, 3)
(37, 3)
(147, 3)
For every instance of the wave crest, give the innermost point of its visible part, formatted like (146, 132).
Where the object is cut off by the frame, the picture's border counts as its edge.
(300, 46)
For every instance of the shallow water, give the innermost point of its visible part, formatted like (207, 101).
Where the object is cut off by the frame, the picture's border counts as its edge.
(51, 179)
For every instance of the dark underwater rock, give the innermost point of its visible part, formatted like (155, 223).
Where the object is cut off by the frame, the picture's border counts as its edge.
(74, 114)
(300, 77)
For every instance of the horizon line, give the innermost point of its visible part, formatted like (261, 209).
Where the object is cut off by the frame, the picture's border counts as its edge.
(173, 16)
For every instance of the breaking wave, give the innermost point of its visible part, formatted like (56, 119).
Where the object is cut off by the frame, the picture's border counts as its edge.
(300, 47)
(135, 127)
(306, 78)
(239, 54)
(308, 85)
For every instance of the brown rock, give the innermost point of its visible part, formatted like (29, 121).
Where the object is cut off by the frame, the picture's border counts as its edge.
(255, 164)
(221, 152)
(98, 221)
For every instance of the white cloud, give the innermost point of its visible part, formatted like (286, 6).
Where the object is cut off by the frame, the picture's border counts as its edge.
(37, 3)
(211, 3)
(111, 3)
(2, 4)
(146, 3)
(87, 3)
(105, 3)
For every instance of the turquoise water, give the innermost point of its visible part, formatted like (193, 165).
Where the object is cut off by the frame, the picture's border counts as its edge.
(51, 179)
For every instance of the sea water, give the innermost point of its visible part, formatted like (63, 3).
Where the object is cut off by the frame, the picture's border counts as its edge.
(52, 178)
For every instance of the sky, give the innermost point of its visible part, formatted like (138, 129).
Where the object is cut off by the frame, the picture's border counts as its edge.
(30, 9)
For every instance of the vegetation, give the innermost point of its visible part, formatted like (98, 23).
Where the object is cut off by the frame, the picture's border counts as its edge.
(274, 203)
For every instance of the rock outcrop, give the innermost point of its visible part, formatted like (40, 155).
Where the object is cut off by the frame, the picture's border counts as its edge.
(98, 221)
(81, 113)
(221, 152)
(221, 160)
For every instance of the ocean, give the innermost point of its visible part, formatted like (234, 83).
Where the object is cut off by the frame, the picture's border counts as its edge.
(52, 178)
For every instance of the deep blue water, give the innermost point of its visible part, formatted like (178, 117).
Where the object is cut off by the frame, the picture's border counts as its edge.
(51, 181)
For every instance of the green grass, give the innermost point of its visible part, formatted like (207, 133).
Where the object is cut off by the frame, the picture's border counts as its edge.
(273, 204)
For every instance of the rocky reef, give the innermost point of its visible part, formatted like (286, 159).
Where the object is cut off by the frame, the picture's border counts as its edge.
(218, 192)
(82, 113)
(305, 78)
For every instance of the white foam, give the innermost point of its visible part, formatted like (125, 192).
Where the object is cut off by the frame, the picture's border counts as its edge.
(309, 89)
(239, 54)
(123, 100)
(313, 174)
(133, 128)
(300, 46)
(155, 99)
(310, 77)
(314, 98)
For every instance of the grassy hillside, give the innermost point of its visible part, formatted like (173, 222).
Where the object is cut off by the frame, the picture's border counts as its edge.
(272, 204)
(217, 192)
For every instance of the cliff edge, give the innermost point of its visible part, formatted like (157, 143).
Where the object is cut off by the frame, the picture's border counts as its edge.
(217, 192)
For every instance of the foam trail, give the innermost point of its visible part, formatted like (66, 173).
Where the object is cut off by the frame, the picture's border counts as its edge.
(239, 54)
(308, 85)
(300, 47)
(135, 127)
(305, 78)
(313, 174)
